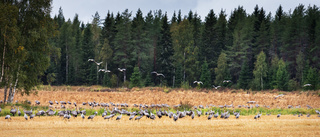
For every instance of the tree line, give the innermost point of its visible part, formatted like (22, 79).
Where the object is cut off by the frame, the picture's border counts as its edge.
(256, 50)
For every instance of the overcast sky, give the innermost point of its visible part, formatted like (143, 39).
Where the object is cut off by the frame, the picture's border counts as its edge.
(86, 8)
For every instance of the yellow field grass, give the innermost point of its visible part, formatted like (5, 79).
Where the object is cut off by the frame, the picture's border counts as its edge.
(200, 126)
(176, 96)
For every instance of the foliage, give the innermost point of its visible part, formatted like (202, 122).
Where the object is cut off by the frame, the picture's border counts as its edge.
(205, 77)
(312, 78)
(282, 76)
(260, 71)
(245, 76)
(135, 78)
(222, 70)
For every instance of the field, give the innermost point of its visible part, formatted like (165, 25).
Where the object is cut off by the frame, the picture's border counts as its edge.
(174, 97)
(245, 126)
(286, 125)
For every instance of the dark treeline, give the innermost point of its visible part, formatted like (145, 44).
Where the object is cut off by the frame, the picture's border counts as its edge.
(253, 50)
(256, 50)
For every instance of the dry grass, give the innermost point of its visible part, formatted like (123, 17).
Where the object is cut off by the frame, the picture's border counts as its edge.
(157, 96)
(245, 126)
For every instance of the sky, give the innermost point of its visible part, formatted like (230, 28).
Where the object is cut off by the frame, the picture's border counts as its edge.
(87, 8)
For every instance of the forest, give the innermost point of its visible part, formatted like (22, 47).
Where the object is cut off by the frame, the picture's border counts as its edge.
(257, 51)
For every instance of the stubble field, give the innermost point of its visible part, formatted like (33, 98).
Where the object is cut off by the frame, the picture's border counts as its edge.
(286, 125)
(200, 126)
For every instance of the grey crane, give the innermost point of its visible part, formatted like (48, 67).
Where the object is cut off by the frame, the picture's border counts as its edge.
(91, 116)
(198, 82)
(56, 102)
(278, 115)
(307, 85)
(104, 70)
(82, 116)
(131, 117)
(227, 116)
(216, 115)
(216, 87)
(175, 117)
(281, 95)
(32, 116)
(108, 117)
(19, 113)
(158, 74)
(192, 116)
(238, 115)
(119, 117)
(152, 116)
(97, 63)
(25, 116)
(7, 117)
(210, 116)
(138, 118)
(13, 111)
(50, 102)
(159, 114)
(51, 113)
(226, 81)
(37, 102)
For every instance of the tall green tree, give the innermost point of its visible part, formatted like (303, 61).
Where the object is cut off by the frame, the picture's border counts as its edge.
(282, 76)
(222, 69)
(29, 50)
(88, 69)
(165, 59)
(272, 73)
(245, 76)
(209, 37)
(260, 71)
(312, 78)
(135, 79)
(185, 51)
(205, 77)
(123, 43)
(300, 66)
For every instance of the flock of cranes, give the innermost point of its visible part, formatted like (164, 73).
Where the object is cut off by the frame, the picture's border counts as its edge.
(162, 110)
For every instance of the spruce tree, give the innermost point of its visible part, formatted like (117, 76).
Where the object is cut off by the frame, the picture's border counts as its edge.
(312, 78)
(282, 76)
(135, 79)
(222, 70)
(245, 76)
(205, 77)
(165, 59)
(260, 71)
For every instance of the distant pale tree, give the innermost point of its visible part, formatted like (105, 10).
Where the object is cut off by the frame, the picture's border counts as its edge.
(260, 71)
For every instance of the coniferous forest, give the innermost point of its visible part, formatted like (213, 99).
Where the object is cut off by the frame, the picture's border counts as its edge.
(257, 51)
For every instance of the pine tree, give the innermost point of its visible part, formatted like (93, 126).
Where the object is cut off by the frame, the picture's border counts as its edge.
(88, 69)
(300, 65)
(209, 37)
(135, 79)
(165, 59)
(260, 71)
(312, 78)
(245, 76)
(205, 77)
(222, 71)
(272, 73)
(282, 76)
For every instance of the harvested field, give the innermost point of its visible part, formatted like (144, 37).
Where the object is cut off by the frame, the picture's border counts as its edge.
(200, 126)
(174, 97)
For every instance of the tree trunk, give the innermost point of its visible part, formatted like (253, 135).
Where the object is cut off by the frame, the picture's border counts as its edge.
(5, 94)
(67, 65)
(10, 93)
(11, 96)
(2, 68)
